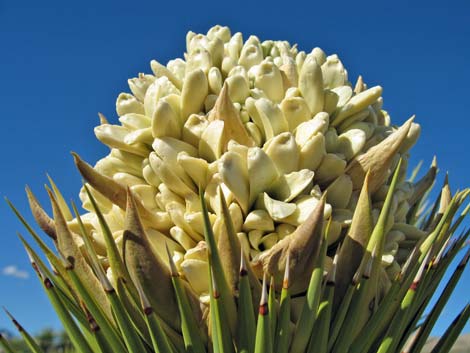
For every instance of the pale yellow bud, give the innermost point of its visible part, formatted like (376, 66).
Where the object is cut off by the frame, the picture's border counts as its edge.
(339, 191)
(357, 103)
(258, 219)
(165, 121)
(199, 59)
(251, 54)
(211, 144)
(193, 129)
(159, 70)
(267, 77)
(307, 130)
(312, 153)
(139, 85)
(351, 142)
(344, 94)
(262, 172)
(330, 168)
(195, 90)
(215, 80)
(221, 32)
(334, 74)
(311, 84)
(178, 68)
(162, 87)
(296, 111)
(238, 87)
(289, 186)
(319, 55)
(128, 104)
(277, 210)
(234, 173)
(284, 152)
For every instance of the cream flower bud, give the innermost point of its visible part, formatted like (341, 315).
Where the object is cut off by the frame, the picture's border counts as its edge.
(334, 74)
(221, 32)
(251, 53)
(227, 65)
(159, 70)
(195, 271)
(238, 88)
(311, 84)
(193, 129)
(357, 103)
(215, 80)
(344, 94)
(212, 141)
(351, 142)
(128, 104)
(162, 87)
(277, 210)
(262, 172)
(139, 85)
(114, 137)
(134, 121)
(339, 192)
(234, 172)
(289, 186)
(195, 90)
(178, 68)
(270, 118)
(165, 121)
(330, 168)
(319, 55)
(289, 72)
(307, 130)
(296, 111)
(234, 46)
(258, 219)
(312, 153)
(284, 152)
(267, 77)
(331, 101)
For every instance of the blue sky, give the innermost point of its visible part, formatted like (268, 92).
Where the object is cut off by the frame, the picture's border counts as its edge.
(62, 62)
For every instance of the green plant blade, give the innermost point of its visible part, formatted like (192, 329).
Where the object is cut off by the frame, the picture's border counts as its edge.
(226, 297)
(310, 308)
(282, 333)
(160, 341)
(263, 342)
(76, 336)
(220, 334)
(431, 319)
(6, 345)
(30, 341)
(246, 323)
(113, 337)
(447, 340)
(192, 339)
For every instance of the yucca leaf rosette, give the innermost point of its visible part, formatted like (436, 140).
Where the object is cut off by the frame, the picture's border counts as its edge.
(247, 162)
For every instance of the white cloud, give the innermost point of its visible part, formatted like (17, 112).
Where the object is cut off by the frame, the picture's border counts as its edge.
(14, 271)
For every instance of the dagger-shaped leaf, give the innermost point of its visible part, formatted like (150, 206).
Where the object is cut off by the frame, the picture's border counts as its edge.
(40, 216)
(355, 243)
(146, 268)
(229, 248)
(303, 246)
(115, 192)
(378, 159)
(69, 249)
(233, 127)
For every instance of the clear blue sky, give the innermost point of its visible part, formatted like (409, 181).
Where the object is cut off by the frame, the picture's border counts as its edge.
(63, 61)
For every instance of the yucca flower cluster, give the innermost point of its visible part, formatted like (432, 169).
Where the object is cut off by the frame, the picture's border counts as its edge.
(251, 162)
